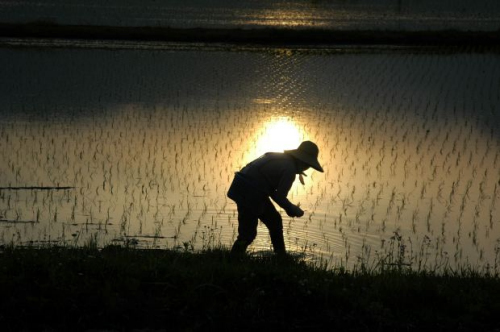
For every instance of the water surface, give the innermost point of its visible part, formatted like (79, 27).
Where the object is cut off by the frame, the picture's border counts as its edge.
(150, 138)
(331, 14)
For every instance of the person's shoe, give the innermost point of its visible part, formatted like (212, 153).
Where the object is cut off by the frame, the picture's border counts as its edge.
(239, 248)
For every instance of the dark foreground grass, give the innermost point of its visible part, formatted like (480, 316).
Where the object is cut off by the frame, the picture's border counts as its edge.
(125, 289)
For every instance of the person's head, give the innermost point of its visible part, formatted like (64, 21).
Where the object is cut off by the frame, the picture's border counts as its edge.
(307, 156)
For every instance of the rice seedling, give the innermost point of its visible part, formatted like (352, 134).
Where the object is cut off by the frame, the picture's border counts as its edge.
(408, 141)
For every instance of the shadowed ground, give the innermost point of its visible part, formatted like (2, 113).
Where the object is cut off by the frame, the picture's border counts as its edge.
(118, 288)
(260, 36)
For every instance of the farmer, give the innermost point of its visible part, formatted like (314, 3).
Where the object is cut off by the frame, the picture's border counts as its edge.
(269, 176)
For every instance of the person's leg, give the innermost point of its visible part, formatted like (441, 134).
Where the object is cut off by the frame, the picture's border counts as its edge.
(247, 229)
(273, 221)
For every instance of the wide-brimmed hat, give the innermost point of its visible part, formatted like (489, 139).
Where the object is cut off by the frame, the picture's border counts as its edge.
(308, 153)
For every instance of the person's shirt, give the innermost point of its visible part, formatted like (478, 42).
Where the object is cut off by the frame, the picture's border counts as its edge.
(274, 173)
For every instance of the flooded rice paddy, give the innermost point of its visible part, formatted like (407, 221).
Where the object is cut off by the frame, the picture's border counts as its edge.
(139, 147)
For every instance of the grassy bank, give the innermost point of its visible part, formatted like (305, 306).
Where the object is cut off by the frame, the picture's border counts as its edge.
(259, 36)
(118, 288)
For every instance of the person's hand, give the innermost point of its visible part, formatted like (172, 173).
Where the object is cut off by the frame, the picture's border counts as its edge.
(295, 211)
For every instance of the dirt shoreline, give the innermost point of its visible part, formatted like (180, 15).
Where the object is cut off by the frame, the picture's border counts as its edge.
(252, 36)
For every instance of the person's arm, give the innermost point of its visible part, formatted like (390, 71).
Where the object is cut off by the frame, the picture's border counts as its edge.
(281, 193)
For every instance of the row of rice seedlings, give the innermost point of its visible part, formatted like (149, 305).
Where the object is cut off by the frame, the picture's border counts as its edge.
(410, 183)
(402, 153)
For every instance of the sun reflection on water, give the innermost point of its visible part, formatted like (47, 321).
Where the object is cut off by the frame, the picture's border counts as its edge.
(278, 134)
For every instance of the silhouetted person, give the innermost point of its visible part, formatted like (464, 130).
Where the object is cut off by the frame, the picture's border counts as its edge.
(269, 176)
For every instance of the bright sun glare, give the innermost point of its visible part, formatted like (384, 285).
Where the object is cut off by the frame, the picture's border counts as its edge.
(277, 135)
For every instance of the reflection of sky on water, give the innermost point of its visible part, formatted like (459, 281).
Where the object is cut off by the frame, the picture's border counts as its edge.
(150, 140)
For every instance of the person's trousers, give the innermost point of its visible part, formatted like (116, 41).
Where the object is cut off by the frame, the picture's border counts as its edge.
(248, 219)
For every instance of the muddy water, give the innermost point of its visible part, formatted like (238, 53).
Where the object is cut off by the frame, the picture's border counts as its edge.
(148, 140)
